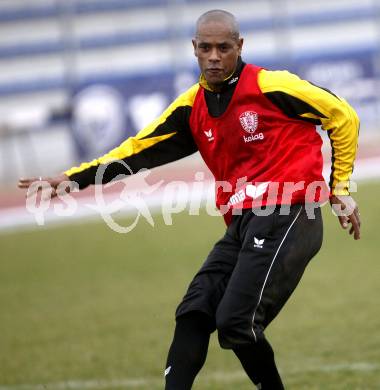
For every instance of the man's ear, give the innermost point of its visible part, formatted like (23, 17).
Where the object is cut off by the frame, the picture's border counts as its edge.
(240, 45)
(195, 47)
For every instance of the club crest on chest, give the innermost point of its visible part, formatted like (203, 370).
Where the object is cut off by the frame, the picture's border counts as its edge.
(249, 121)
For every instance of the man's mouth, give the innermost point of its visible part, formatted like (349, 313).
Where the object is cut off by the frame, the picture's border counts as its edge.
(214, 70)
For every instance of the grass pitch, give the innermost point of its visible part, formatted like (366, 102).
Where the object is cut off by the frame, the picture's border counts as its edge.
(85, 308)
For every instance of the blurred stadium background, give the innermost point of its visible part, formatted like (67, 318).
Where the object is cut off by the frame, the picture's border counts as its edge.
(79, 76)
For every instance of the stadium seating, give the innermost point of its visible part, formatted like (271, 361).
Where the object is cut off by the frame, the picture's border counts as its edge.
(49, 47)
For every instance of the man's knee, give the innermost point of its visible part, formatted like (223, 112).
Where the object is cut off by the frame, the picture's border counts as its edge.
(234, 332)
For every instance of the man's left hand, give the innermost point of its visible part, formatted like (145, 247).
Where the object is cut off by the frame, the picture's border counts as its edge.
(347, 211)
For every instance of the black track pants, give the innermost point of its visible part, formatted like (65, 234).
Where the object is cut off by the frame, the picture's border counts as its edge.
(252, 271)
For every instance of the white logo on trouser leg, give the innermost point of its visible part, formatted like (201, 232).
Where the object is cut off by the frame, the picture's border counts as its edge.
(167, 370)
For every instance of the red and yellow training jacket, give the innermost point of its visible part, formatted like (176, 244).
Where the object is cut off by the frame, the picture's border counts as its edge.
(267, 134)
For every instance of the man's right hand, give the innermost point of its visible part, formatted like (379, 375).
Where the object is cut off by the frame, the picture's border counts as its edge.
(56, 183)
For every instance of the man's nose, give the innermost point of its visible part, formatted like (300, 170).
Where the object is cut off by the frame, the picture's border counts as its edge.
(214, 55)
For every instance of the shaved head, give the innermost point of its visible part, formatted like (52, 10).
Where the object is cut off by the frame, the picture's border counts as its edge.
(219, 16)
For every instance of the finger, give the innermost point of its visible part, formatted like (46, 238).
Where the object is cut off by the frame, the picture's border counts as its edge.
(355, 226)
(25, 183)
(343, 220)
(35, 187)
(27, 179)
(33, 191)
(53, 193)
(357, 214)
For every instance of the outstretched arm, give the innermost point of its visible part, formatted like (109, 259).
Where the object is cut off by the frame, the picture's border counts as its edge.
(166, 139)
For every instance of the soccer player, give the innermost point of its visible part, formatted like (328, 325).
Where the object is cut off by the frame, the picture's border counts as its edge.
(255, 129)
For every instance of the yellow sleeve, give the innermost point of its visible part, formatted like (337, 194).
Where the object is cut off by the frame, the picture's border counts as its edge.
(166, 139)
(303, 100)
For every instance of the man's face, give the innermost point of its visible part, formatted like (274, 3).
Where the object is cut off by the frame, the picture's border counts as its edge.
(217, 51)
